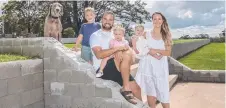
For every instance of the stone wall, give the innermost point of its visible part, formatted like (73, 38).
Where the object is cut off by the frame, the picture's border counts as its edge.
(181, 49)
(186, 74)
(68, 40)
(21, 84)
(69, 82)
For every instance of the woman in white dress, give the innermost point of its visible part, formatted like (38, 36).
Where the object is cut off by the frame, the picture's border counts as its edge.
(153, 72)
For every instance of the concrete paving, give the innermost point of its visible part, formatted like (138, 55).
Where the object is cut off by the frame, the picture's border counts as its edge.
(197, 95)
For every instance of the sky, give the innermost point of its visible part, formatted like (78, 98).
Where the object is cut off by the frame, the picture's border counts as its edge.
(190, 17)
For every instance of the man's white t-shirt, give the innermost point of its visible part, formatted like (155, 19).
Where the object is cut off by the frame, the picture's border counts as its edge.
(100, 38)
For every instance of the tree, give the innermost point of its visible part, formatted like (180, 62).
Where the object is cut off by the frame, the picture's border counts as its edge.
(30, 15)
(24, 15)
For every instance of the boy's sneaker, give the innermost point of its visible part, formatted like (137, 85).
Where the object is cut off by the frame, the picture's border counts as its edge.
(99, 74)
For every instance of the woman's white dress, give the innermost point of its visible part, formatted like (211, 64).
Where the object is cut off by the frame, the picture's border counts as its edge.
(152, 74)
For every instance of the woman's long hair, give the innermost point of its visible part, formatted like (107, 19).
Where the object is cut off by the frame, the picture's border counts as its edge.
(165, 32)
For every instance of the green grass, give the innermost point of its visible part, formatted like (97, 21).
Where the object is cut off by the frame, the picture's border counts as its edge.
(69, 45)
(176, 41)
(11, 57)
(209, 57)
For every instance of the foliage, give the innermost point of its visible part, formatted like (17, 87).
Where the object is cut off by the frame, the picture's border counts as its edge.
(68, 32)
(30, 15)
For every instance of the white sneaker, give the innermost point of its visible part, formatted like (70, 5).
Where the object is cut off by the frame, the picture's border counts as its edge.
(99, 74)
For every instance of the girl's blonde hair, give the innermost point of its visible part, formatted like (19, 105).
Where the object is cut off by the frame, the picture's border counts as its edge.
(119, 27)
(139, 26)
(89, 9)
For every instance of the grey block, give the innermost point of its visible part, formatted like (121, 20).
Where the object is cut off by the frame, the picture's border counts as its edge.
(51, 52)
(37, 51)
(78, 76)
(31, 66)
(103, 91)
(1, 49)
(1, 42)
(38, 80)
(10, 101)
(46, 62)
(35, 41)
(17, 42)
(24, 42)
(72, 90)
(28, 106)
(7, 49)
(64, 76)
(82, 103)
(27, 50)
(27, 82)
(3, 88)
(50, 75)
(10, 70)
(217, 79)
(187, 73)
(8, 42)
(54, 101)
(47, 87)
(17, 50)
(222, 77)
(87, 90)
(32, 96)
(15, 85)
(39, 104)
(178, 69)
(113, 103)
(37, 95)
(26, 98)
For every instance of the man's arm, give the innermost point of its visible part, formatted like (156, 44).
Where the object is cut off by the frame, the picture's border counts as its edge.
(100, 53)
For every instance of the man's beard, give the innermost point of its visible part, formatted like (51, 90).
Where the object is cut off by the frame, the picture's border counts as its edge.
(107, 28)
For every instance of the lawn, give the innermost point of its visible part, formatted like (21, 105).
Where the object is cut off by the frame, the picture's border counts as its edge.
(69, 45)
(176, 41)
(209, 57)
(11, 57)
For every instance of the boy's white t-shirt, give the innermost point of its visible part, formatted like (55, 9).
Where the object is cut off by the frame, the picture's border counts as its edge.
(99, 38)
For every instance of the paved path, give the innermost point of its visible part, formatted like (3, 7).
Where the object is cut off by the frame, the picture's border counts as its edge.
(197, 95)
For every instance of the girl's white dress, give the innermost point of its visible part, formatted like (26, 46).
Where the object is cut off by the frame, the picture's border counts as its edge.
(152, 74)
(142, 46)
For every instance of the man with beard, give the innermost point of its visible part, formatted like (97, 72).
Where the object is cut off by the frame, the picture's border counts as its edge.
(118, 68)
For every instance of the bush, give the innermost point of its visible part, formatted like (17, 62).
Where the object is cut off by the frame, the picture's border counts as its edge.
(217, 39)
(68, 32)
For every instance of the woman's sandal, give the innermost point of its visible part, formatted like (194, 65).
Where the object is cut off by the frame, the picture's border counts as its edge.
(128, 96)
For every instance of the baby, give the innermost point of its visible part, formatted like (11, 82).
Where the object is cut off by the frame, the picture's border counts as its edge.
(139, 42)
(118, 40)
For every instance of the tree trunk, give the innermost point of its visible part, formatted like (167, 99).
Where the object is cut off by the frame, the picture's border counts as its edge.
(75, 18)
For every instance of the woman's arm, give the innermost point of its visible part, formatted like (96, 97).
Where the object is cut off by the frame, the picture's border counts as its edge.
(168, 47)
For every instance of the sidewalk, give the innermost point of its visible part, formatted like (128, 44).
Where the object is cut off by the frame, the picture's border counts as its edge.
(197, 95)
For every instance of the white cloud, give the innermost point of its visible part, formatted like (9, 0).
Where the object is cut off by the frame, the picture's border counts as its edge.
(182, 14)
(187, 14)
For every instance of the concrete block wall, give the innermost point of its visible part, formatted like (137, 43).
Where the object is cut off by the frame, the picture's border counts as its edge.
(21, 84)
(32, 47)
(187, 74)
(181, 49)
(69, 82)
